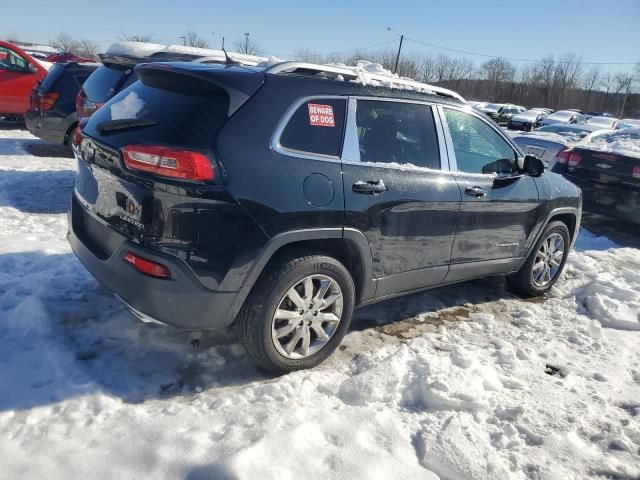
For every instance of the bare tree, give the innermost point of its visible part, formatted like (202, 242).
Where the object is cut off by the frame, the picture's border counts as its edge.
(193, 40)
(589, 83)
(247, 45)
(140, 37)
(498, 72)
(65, 43)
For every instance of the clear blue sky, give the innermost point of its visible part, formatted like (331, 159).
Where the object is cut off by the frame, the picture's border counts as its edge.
(600, 31)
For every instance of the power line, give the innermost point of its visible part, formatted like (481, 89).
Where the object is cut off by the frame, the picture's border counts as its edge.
(343, 52)
(514, 59)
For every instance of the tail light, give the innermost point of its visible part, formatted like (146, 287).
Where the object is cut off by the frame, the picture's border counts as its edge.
(636, 172)
(147, 267)
(84, 106)
(575, 159)
(563, 155)
(167, 162)
(47, 100)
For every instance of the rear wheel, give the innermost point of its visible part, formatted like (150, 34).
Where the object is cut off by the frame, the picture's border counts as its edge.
(545, 263)
(297, 313)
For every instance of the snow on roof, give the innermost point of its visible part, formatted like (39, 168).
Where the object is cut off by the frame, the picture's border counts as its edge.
(144, 49)
(621, 142)
(364, 73)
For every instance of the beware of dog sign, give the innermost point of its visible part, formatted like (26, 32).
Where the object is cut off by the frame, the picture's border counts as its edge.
(321, 115)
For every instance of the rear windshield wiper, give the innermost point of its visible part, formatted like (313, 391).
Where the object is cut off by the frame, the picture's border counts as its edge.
(125, 124)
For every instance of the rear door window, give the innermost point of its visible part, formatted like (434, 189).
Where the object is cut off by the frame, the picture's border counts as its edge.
(104, 82)
(52, 76)
(397, 133)
(316, 127)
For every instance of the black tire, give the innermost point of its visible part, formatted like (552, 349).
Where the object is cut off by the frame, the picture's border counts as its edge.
(522, 281)
(254, 323)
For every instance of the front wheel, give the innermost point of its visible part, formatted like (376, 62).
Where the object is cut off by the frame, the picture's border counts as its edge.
(297, 313)
(545, 263)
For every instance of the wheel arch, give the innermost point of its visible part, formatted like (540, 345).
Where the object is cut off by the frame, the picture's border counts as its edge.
(349, 246)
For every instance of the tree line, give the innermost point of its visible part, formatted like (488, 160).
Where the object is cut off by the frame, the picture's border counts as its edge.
(553, 82)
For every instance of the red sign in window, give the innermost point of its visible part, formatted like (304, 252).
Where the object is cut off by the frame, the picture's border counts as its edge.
(321, 115)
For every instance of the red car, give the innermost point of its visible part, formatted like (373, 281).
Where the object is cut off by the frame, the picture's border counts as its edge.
(19, 73)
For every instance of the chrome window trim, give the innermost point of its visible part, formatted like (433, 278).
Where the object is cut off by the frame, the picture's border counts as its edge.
(284, 121)
(351, 146)
(449, 140)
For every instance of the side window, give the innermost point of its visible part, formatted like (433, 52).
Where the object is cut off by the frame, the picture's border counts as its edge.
(397, 132)
(10, 60)
(316, 127)
(477, 146)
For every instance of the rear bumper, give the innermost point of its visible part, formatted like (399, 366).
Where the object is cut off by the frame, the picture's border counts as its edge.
(609, 200)
(49, 128)
(181, 301)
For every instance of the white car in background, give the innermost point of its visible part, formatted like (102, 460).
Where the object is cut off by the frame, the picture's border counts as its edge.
(563, 116)
(546, 142)
(607, 122)
(527, 120)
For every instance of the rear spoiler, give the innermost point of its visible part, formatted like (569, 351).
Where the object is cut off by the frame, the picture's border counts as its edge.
(239, 82)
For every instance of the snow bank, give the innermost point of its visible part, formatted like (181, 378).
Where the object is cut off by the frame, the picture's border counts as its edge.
(468, 382)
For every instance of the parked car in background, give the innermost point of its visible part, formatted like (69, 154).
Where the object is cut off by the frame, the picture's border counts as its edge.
(527, 120)
(19, 73)
(277, 235)
(604, 122)
(52, 115)
(117, 69)
(597, 114)
(67, 57)
(632, 122)
(546, 111)
(547, 142)
(606, 166)
(563, 116)
(503, 114)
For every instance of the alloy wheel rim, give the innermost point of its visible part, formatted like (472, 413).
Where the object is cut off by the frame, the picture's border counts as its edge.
(307, 317)
(548, 260)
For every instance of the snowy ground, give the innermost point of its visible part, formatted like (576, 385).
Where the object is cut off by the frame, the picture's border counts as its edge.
(463, 382)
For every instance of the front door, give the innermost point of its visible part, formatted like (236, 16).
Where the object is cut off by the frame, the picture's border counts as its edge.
(499, 209)
(16, 82)
(399, 191)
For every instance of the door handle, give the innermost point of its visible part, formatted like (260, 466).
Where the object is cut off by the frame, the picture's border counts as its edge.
(370, 187)
(475, 191)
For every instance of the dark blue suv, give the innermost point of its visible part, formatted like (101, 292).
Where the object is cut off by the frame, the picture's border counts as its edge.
(273, 200)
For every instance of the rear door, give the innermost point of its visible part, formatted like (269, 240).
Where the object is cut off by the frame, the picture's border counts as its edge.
(497, 215)
(399, 191)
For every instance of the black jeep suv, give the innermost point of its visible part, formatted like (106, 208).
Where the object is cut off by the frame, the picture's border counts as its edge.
(273, 200)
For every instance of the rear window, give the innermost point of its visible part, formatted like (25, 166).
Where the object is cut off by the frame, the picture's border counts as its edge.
(52, 76)
(167, 108)
(397, 132)
(316, 127)
(104, 82)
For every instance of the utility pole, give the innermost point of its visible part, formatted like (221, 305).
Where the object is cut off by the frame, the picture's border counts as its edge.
(246, 43)
(184, 40)
(395, 68)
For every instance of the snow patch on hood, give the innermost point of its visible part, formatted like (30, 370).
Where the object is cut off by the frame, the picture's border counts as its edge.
(623, 142)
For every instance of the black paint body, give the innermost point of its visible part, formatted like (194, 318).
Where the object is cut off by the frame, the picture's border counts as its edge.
(216, 238)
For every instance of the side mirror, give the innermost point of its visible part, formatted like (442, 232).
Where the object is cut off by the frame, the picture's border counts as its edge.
(533, 166)
(32, 68)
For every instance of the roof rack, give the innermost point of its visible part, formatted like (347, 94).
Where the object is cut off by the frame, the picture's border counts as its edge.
(361, 75)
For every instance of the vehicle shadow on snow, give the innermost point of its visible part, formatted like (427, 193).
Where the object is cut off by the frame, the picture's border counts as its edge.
(35, 147)
(62, 336)
(36, 191)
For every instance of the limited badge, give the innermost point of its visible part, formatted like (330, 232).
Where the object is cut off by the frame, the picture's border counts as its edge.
(321, 115)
